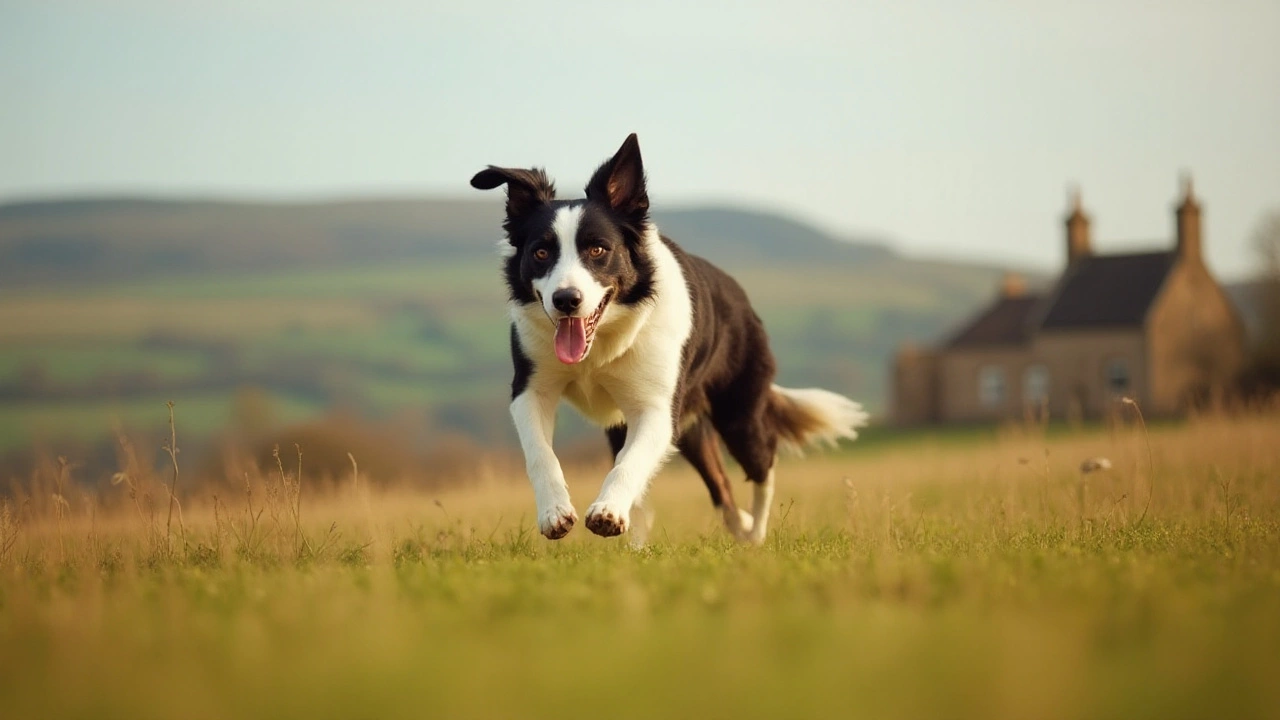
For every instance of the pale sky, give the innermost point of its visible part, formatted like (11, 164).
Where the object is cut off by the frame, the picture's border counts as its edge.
(946, 128)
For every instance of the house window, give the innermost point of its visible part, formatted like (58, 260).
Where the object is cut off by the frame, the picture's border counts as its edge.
(1035, 385)
(991, 385)
(1118, 376)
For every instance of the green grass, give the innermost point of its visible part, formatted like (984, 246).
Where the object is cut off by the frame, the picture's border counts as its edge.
(83, 362)
(204, 414)
(1147, 624)
(921, 580)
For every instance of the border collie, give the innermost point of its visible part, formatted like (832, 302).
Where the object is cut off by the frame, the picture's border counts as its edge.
(658, 346)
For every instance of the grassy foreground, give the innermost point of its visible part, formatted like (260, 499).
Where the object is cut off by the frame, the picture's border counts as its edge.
(920, 580)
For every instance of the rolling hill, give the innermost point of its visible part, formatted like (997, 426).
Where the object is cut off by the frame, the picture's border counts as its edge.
(75, 241)
(386, 309)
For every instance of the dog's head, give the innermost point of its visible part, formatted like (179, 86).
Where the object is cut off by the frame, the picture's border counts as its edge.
(576, 258)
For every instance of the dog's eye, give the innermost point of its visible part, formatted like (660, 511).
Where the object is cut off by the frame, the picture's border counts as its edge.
(597, 251)
(541, 254)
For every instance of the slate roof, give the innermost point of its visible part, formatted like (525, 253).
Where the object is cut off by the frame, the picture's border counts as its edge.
(1107, 291)
(1099, 291)
(1006, 322)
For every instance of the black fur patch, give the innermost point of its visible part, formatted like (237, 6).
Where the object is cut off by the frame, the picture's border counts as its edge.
(521, 363)
(619, 184)
(528, 233)
(728, 368)
(526, 189)
(625, 267)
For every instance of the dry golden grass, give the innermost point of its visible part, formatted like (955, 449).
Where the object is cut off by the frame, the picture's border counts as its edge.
(920, 579)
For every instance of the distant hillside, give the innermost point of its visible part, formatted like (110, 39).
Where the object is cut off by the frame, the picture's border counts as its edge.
(388, 309)
(733, 235)
(130, 239)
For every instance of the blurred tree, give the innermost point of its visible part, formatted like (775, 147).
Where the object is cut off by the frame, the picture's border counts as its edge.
(1262, 374)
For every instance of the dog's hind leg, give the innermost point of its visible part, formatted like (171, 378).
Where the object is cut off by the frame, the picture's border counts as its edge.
(755, 447)
(700, 447)
(641, 524)
(760, 504)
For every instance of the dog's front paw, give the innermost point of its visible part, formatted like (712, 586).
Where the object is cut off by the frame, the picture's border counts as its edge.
(606, 521)
(556, 522)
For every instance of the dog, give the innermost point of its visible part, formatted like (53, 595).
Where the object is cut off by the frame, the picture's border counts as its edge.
(658, 346)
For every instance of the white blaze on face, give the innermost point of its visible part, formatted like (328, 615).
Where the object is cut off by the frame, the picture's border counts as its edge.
(575, 328)
(568, 271)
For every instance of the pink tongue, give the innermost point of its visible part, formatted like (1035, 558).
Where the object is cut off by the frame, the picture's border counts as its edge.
(571, 339)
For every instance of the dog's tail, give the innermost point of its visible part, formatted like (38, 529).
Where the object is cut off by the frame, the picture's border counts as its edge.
(811, 416)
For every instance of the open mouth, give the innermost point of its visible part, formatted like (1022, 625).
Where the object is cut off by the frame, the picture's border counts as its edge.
(574, 334)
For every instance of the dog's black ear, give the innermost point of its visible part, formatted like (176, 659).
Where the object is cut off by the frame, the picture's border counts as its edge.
(619, 183)
(526, 189)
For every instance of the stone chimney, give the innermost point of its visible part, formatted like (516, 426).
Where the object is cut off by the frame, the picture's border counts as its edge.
(1077, 231)
(1012, 285)
(1187, 218)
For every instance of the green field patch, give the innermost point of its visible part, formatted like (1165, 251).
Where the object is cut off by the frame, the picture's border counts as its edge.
(369, 344)
(485, 334)
(390, 395)
(410, 279)
(821, 324)
(22, 424)
(79, 363)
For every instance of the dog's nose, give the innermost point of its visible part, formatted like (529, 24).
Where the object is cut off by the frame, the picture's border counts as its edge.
(567, 300)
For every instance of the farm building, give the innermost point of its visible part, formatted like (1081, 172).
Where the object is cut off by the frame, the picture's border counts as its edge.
(1155, 326)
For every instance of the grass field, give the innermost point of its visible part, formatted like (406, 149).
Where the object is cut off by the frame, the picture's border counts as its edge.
(988, 578)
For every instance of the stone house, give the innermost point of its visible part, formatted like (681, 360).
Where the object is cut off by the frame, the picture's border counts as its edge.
(1154, 326)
